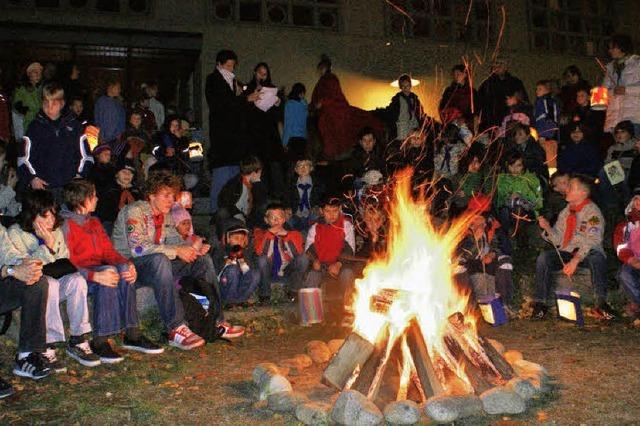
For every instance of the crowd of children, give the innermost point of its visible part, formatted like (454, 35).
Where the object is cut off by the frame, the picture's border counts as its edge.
(93, 208)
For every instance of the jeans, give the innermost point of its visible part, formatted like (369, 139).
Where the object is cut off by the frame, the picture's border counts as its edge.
(32, 299)
(155, 270)
(293, 274)
(236, 286)
(114, 308)
(219, 177)
(629, 279)
(346, 279)
(73, 289)
(201, 270)
(549, 262)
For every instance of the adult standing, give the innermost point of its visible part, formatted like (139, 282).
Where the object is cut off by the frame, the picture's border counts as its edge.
(493, 93)
(574, 83)
(338, 122)
(156, 107)
(109, 113)
(229, 140)
(459, 96)
(27, 98)
(623, 81)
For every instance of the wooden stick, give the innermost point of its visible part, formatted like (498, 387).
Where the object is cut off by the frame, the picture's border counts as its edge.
(429, 382)
(501, 364)
(354, 352)
(368, 371)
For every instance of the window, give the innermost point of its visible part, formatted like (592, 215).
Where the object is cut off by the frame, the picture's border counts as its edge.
(47, 3)
(322, 14)
(440, 19)
(572, 26)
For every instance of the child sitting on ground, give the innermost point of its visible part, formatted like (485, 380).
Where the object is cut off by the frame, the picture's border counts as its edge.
(303, 196)
(555, 201)
(481, 251)
(518, 192)
(235, 260)
(328, 242)
(280, 252)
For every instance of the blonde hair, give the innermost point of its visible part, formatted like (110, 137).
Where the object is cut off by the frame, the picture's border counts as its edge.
(52, 92)
(302, 162)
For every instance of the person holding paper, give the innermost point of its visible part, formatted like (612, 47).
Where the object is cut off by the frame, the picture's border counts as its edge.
(262, 124)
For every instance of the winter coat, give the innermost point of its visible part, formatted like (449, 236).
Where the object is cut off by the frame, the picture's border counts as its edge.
(583, 157)
(327, 242)
(587, 235)
(526, 184)
(295, 120)
(134, 233)
(492, 96)
(392, 112)
(460, 97)
(624, 153)
(232, 191)
(568, 94)
(29, 245)
(88, 243)
(229, 141)
(55, 151)
(361, 161)
(293, 194)
(9, 255)
(626, 236)
(521, 112)
(8, 204)
(109, 201)
(27, 100)
(627, 106)
(546, 115)
(111, 117)
(265, 140)
(534, 157)
(634, 173)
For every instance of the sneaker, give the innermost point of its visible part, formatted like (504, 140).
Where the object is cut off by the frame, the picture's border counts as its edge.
(605, 312)
(5, 389)
(231, 331)
(185, 339)
(83, 354)
(33, 366)
(539, 311)
(142, 344)
(52, 360)
(106, 353)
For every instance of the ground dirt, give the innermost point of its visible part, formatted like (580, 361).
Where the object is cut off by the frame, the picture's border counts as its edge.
(596, 370)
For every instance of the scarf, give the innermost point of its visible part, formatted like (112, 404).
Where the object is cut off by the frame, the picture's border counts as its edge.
(571, 222)
(158, 221)
(126, 197)
(229, 77)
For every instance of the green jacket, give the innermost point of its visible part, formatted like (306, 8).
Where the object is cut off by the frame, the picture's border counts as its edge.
(28, 97)
(526, 184)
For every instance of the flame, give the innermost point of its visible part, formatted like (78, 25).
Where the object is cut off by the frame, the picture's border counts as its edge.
(416, 276)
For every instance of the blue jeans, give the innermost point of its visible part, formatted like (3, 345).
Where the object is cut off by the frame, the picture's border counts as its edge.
(629, 279)
(114, 308)
(293, 274)
(549, 262)
(203, 271)
(237, 287)
(219, 177)
(155, 270)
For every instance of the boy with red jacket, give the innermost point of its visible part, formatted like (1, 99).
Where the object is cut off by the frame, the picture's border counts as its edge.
(110, 276)
(280, 252)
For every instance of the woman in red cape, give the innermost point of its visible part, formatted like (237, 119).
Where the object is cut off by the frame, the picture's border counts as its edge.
(338, 122)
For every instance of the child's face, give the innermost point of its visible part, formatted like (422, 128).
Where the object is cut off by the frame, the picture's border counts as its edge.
(255, 176)
(561, 184)
(46, 221)
(124, 177)
(459, 76)
(238, 239)
(331, 213)
(636, 203)
(516, 168)
(582, 98)
(104, 157)
(405, 87)
(575, 193)
(637, 145)
(275, 218)
(541, 90)
(77, 107)
(577, 135)
(474, 165)
(367, 142)
(622, 136)
(135, 120)
(511, 100)
(303, 168)
(184, 228)
(175, 129)
(520, 136)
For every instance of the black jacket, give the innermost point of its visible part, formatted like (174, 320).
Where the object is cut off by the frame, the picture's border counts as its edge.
(231, 192)
(392, 112)
(493, 92)
(227, 123)
(292, 195)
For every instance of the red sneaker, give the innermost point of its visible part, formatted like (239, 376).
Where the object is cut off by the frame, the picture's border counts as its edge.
(185, 339)
(231, 331)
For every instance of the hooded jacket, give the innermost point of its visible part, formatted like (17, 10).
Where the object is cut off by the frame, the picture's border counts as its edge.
(626, 237)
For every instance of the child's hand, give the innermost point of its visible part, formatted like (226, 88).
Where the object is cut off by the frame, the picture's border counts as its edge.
(334, 269)
(107, 278)
(316, 265)
(488, 258)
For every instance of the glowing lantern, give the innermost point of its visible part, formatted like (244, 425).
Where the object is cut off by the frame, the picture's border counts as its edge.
(492, 310)
(568, 303)
(311, 308)
(195, 150)
(599, 98)
(396, 84)
(533, 132)
(92, 133)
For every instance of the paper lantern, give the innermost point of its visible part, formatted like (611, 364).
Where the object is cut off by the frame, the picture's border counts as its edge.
(92, 134)
(195, 151)
(492, 310)
(310, 304)
(568, 303)
(599, 98)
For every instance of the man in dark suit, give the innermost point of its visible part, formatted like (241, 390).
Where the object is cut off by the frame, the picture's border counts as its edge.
(227, 129)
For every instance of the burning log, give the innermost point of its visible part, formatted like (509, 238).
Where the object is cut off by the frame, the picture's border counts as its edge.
(355, 351)
(429, 383)
(372, 365)
(498, 361)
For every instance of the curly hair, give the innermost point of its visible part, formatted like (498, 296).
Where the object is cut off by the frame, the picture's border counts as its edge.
(160, 179)
(38, 203)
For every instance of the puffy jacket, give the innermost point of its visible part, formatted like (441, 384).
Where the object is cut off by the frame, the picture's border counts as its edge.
(28, 245)
(627, 106)
(88, 243)
(54, 150)
(526, 184)
(587, 235)
(27, 100)
(8, 255)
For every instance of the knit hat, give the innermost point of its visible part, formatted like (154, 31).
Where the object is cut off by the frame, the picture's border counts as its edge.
(479, 204)
(34, 66)
(627, 126)
(235, 229)
(179, 213)
(126, 166)
(101, 148)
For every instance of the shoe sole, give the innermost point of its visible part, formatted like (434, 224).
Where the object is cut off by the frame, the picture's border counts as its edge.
(111, 360)
(143, 350)
(232, 336)
(27, 375)
(83, 361)
(187, 348)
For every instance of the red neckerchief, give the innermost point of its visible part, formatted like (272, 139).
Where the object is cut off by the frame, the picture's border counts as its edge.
(158, 221)
(571, 222)
(126, 197)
